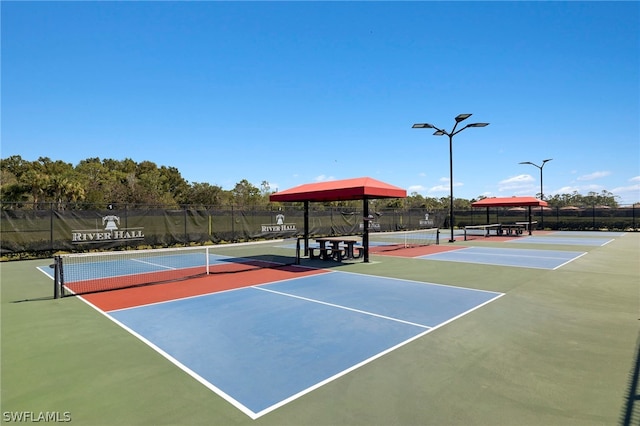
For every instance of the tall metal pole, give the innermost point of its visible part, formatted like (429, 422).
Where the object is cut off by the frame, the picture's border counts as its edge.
(541, 186)
(541, 199)
(451, 134)
(541, 193)
(451, 240)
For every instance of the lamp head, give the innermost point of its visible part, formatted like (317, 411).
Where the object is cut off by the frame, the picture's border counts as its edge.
(422, 126)
(478, 125)
(462, 117)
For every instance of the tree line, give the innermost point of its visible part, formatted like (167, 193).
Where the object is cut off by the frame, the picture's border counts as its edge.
(104, 182)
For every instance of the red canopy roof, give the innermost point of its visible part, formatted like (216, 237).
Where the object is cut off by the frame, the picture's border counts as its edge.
(340, 190)
(509, 202)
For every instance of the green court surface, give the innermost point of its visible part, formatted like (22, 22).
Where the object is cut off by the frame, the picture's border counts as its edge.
(559, 348)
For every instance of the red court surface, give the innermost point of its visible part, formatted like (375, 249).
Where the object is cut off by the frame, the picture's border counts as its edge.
(413, 251)
(226, 280)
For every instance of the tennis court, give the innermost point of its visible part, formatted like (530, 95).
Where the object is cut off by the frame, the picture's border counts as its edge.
(522, 258)
(262, 346)
(400, 340)
(559, 240)
(266, 341)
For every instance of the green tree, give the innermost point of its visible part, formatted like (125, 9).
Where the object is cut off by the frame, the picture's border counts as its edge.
(12, 187)
(204, 195)
(97, 181)
(245, 194)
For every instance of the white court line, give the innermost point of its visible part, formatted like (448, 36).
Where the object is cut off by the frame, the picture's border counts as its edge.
(368, 360)
(512, 255)
(342, 307)
(569, 261)
(152, 264)
(255, 415)
(177, 363)
(209, 293)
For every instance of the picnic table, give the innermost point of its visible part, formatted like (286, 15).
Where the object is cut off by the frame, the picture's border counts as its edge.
(511, 229)
(337, 248)
(500, 229)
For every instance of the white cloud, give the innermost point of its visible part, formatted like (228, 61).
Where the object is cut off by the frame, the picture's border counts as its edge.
(629, 188)
(628, 194)
(517, 180)
(439, 188)
(415, 188)
(444, 188)
(518, 185)
(566, 190)
(625, 194)
(581, 189)
(594, 175)
(324, 178)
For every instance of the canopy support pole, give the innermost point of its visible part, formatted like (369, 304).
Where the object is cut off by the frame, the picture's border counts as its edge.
(306, 228)
(365, 232)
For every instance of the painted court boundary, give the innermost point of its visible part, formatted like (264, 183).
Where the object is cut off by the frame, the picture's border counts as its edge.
(256, 414)
(518, 258)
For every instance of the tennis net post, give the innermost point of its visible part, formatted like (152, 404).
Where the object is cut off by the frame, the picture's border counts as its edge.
(56, 278)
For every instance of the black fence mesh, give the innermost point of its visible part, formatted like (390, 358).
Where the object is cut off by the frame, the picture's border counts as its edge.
(46, 228)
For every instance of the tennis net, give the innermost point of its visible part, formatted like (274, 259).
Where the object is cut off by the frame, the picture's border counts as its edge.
(96, 272)
(384, 241)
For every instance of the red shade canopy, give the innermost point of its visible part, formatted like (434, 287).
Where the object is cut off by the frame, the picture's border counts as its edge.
(340, 190)
(509, 202)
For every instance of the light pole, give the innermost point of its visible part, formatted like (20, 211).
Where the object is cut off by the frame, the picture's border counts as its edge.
(451, 134)
(541, 193)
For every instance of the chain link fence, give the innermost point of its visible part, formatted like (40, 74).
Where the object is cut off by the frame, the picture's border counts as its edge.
(39, 230)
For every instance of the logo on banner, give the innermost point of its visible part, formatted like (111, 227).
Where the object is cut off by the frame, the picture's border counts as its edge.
(111, 232)
(375, 226)
(280, 225)
(426, 221)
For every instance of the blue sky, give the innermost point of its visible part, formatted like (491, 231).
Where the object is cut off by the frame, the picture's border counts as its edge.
(297, 92)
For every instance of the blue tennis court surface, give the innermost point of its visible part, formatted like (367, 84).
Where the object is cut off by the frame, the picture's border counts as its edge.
(263, 346)
(569, 241)
(610, 234)
(540, 259)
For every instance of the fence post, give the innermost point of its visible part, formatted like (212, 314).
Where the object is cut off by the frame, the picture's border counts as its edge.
(233, 224)
(51, 226)
(186, 234)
